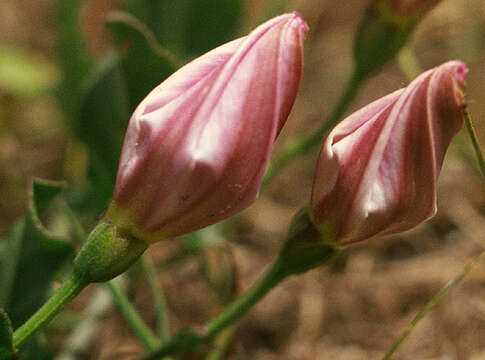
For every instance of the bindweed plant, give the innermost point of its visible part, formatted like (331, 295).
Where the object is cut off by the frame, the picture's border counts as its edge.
(197, 151)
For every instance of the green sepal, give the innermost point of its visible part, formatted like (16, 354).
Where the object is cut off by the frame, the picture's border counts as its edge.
(304, 247)
(107, 253)
(7, 350)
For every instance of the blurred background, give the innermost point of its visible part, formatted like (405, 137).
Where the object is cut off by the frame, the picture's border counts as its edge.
(68, 83)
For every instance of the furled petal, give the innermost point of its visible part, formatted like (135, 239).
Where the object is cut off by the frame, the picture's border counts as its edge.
(378, 169)
(197, 146)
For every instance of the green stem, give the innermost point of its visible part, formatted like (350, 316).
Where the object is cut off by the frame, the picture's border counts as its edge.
(432, 303)
(302, 146)
(53, 306)
(221, 344)
(159, 302)
(474, 138)
(185, 341)
(132, 317)
(239, 307)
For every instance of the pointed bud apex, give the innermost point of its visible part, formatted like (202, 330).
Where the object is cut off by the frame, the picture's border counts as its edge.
(385, 28)
(197, 146)
(378, 169)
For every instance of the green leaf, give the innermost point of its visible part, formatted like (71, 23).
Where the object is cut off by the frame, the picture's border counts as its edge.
(145, 63)
(212, 23)
(103, 119)
(75, 60)
(10, 247)
(34, 257)
(189, 27)
(7, 350)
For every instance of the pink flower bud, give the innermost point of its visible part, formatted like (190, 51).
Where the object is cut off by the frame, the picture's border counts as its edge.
(197, 146)
(377, 170)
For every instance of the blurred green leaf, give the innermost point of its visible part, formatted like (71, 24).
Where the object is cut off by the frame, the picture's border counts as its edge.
(144, 61)
(76, 61)
(7, 350)
(102, 123)
(189, 27)
(34, 257)
(212, 23)
(10, 246)
(25, 73)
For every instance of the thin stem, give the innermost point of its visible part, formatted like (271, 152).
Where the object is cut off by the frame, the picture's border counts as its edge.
(159, 302)
(221, 344)
(302, 146)
(239, 307)
(433, 302)
(186, 341)
(52, 307)
(132, 317)
(474, 138)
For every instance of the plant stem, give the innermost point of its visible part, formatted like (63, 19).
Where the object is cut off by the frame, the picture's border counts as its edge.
(132, 317)
(474, 138)
(52, 307)
(221, 344)
(239, 307)
(159, 302)
(432, 303)
(302, 146)
(186, 341)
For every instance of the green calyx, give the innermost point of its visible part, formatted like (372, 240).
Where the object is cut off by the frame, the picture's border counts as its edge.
(305, 247)
(108, 252)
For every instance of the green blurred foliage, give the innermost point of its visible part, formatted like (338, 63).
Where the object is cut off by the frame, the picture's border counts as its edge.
(30, 257)
(6, 339)
(24, 73)
(102, 120)
(144, 62)
(189, 27)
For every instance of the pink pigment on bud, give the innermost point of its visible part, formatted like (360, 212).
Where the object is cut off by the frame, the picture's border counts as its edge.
(378, 169)
(197, 146)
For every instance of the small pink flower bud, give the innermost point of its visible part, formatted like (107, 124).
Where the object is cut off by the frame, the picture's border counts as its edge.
(377, 170)
(197, 146)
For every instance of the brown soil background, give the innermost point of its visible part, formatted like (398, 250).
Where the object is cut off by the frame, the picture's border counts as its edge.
(354, 309)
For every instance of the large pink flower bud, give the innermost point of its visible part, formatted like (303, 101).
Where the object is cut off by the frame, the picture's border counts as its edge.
(378, 169)
(197, 146)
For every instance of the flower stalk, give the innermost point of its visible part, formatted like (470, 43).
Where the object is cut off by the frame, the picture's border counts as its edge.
(473, 136)
(63, 296)
(303, 249)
